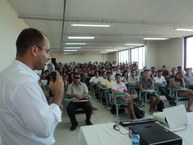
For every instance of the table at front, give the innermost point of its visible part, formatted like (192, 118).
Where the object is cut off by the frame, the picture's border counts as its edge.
(104, 134)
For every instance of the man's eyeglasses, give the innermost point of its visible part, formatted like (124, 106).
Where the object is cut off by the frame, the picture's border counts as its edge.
(47, 50)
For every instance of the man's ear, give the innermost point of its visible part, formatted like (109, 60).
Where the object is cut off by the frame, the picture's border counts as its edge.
(34, 50)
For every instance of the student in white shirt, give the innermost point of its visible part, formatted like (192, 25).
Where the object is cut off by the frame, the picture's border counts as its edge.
(120, 88)
(160, 83)
(26, 117)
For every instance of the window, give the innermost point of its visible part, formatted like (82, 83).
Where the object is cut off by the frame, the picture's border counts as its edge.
(188, 52)
(123, 56)
(138, 55)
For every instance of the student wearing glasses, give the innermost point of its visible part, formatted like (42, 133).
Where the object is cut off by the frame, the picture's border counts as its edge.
(79, 92)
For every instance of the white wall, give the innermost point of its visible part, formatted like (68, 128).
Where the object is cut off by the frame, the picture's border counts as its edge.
(151, 54)
(10, 27)
(169, 53)
(81, 58)
(111, 57)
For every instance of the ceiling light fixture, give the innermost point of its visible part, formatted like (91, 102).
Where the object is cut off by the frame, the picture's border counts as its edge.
(184, 29)
(67, 53)
(111, 50)
(155, 38)
(91, 25)
(103, 52)
(70, 50)
(72, 47)
(133, 44)
(81, 37)
(75, 43)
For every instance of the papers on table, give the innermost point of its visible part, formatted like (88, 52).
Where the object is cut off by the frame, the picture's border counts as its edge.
(175, 118)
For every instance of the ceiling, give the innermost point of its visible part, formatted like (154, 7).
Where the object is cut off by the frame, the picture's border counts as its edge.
(130, 20)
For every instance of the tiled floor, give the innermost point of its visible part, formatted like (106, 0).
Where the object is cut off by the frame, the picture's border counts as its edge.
(64, 136)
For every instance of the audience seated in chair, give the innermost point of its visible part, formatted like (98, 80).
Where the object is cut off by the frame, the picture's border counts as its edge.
(107, 83)
(188, 78)
(161, 84)
(79, 91)
(146, 83)
(165, 72)
(120, 88)
(178, 82)
(96, 80)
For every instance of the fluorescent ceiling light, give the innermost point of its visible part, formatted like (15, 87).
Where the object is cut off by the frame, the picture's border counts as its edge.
(67, 53)
(81, 37)
(70, 50)
(72, 47)
(75, 43)
(155, 38)
(111, 50)
(184, 29)
(133, 44)
(91, 25)
(103, 52)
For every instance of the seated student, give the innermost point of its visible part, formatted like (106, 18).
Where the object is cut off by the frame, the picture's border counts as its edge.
(125, 77)
(44, 84)
(120, 88)
(188, 78)
(172, 73)
(96, 80)
(153, 72)
(178, 82)
(107, 83)
(133, 82)
(79, 91)
(160, 84)
(146, 83)
(133, 86)
(179, 69)
(165, 72)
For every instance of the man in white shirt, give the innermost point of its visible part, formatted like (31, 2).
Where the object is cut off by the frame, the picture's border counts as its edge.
(96, 81)
(160, 84)
(120, 88)
(26, 117)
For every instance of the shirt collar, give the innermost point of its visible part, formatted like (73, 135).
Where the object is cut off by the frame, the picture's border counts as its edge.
(78, 85)
(27, 70)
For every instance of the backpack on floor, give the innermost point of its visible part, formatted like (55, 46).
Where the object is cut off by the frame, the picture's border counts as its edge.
(138, 113)
(113, 109)
(160, 106)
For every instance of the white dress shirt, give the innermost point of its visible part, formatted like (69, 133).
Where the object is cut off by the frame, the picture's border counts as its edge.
(95, 79)
(160, 80)
(25, 116)
(121, 87)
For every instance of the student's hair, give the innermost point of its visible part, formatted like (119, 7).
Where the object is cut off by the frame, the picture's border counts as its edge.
(160, 70)
(29, 37)
(179, 67)
(178, 78)
(164, 66)
(108, 72)
(146, 70)
(117, 75)
(76, 74)
(187, 69)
